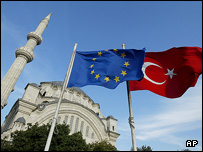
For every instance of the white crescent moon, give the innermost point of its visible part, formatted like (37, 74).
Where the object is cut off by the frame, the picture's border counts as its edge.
(145, 65)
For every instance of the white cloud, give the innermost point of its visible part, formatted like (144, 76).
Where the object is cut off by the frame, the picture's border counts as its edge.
(173, 117)
(11, 30)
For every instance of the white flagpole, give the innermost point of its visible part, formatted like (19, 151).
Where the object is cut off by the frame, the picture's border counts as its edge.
(131, 119)
(60, 98)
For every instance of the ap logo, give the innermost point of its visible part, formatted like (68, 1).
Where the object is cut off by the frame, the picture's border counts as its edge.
(191, 143)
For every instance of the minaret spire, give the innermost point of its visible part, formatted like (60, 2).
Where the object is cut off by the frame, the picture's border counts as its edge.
(48, 17)
(24, 55)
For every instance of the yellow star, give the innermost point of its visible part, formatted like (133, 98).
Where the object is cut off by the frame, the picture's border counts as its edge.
(107, 79)
(99, 53)
(123, 73)
(94, 59)
(116, 79)
(115, 50)
(91, 65)
(92, 72)
(123, 55)
(97, 76)
(126, 64)
(107, 50)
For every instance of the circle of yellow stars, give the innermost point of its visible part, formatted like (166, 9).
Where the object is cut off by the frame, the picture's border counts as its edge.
(107, 79)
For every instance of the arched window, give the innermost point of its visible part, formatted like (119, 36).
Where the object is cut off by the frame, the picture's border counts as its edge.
(81, 127)
(66, 120)
(87, 131)
(44, 93)
(58, 120)
(71, 122)
(76, 125)
(92, 136)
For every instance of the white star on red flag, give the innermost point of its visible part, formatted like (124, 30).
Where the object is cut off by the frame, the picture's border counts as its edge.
(170, 73)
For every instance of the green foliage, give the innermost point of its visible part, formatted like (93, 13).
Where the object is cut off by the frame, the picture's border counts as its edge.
(102, 146)
(64, 142)
(35, 137)
(144, 148)
(5, 145)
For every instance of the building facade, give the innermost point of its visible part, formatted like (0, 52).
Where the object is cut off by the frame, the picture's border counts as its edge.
(38, 105)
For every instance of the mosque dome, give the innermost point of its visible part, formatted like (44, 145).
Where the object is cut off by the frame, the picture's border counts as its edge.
(21, 120)
(60, 83)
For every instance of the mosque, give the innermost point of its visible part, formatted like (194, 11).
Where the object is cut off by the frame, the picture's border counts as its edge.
(77, 109)
(39, 102)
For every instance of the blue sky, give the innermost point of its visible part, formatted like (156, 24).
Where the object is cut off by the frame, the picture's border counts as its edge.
(162, 123)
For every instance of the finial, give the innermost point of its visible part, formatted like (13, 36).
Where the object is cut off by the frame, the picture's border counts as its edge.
(48, 17)
(75, 46)
(123, 45)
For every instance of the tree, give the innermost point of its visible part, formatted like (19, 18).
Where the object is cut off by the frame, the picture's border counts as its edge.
(5, 145)
(62, 141)
(35, 137)
(144, 148)
(102, 146)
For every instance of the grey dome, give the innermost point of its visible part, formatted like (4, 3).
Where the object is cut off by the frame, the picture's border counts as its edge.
(34, 84)
(60, 83)
(110, 116)
(21, 120)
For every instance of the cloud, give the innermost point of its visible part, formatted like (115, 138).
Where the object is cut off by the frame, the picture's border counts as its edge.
(12, 30)
(180, 115)
(173, 117)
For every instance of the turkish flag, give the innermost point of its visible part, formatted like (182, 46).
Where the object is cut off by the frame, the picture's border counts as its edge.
(170, 73)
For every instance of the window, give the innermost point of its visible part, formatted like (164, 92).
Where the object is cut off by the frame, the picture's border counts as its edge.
(66, 120)
(76, 125)
(81, 127)
(92, 136)
(44, 93)
(71, 122)
(87, 131)
(58, 120)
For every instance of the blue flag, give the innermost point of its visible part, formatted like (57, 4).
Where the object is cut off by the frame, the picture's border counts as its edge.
(106, 68)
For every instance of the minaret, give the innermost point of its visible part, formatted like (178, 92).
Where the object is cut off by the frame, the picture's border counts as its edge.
(23, 55)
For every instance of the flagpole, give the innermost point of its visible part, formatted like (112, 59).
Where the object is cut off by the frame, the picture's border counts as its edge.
(131, 119)
(60, 98)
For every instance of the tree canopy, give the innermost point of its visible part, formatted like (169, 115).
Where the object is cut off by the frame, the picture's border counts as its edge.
(35, 137)
(144, 148)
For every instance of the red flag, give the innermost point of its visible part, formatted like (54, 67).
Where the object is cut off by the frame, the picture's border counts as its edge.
(170, 73)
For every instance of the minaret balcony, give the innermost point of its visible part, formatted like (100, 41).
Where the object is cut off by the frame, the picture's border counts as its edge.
(26, 53)
(35, 36)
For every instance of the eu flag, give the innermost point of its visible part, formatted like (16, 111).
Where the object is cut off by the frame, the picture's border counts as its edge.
(106, 68)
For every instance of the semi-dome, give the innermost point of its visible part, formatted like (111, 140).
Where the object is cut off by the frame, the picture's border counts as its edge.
(21, 120)
(60, 83)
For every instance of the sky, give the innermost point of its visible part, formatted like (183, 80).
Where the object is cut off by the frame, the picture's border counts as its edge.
(163, 124)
